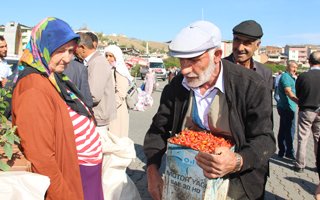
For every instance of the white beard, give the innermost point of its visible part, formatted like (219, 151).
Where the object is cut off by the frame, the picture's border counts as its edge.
(201, 78)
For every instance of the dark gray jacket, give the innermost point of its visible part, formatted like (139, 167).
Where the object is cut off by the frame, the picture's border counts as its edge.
(250, 111)
(78, 74)
(261, 69)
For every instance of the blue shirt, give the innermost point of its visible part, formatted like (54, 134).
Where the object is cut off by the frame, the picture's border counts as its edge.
(286, 80)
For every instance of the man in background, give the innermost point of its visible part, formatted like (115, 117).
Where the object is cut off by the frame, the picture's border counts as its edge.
(100, 82)
(308, 93)
(78, 74)
(94, 39)
(246, 40)
(287, 109)
(5, 69)
(276, 83)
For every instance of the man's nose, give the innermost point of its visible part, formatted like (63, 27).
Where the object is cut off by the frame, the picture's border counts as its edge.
(241, 47)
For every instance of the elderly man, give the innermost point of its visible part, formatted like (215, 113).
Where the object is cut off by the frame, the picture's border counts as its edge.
(214, 94)
(307, 88)
(246, 40)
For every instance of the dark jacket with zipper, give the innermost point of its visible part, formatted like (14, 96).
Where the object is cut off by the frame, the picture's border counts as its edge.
(250, 111)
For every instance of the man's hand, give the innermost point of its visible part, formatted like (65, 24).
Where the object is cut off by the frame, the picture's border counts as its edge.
(155, 182)
(221, 162)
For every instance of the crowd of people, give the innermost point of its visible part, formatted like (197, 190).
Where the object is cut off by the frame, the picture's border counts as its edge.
(68, 97)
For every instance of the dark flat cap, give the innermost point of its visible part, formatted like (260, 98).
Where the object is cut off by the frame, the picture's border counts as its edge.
(249, 28)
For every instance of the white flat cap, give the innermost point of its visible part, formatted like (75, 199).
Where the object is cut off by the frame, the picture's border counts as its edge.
(195, 39)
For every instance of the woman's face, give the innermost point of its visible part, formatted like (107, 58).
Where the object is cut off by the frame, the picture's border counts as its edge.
(110, 57)
(61, 57)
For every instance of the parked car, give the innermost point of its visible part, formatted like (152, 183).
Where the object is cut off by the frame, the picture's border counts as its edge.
(158, 66)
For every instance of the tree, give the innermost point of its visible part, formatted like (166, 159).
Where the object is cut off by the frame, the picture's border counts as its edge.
(276, 67)
(172, 61)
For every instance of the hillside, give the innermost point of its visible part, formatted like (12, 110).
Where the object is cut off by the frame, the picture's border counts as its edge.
(137, 44)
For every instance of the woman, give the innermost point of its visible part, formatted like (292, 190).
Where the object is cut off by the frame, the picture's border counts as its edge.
(122, 80)
(56, 128)
(150, 81)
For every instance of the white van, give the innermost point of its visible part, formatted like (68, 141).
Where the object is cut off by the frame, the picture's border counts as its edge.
(158, 66)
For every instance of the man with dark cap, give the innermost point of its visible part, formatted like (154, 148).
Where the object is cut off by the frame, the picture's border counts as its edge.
(246, 40)
(215, 95)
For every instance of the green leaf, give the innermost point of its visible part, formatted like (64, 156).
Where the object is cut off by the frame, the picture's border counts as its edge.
(9, 95)
(10, 138)
(16, 139)
(8, 150)
(2, 106)
(3, 92)
(4, 166)
(3, 120)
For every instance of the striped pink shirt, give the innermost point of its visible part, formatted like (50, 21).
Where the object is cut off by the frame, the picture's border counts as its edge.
(88, 141)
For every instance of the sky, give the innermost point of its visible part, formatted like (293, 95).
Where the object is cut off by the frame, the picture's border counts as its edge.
(283, 21)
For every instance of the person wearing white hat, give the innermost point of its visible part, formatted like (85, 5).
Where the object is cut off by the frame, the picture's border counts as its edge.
(223, 98)
(122, 80)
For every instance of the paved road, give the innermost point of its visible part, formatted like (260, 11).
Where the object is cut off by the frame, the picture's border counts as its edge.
(283, 182)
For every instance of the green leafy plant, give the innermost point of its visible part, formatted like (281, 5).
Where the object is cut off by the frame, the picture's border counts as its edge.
(7, 132)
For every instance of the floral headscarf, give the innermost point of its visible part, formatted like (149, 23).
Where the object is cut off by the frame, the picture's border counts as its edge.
(46, 37)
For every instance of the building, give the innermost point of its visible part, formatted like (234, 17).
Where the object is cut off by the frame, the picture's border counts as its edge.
(273, 50)
(272, 54)
(297, 53)
(226, 47)
(313, 48)
(17, 36)
(277, 58)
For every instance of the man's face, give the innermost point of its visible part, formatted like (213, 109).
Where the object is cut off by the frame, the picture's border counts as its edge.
(78, 52)
(292, 68)
(197, 70)
(3, 48)
(243, 48)
(61, 57)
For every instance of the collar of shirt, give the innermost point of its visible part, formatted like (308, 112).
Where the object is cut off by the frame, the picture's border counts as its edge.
(204, 101)
(252, 63)
(315, 68)
(3, 61)
(290, 75)
(254, 66)
(86, 60)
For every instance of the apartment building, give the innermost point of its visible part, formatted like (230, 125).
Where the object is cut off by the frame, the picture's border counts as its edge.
(17, 36)
(298, 53)
(226, 47)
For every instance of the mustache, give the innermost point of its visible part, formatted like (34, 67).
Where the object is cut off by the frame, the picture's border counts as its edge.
(241, 52)
(191, 75)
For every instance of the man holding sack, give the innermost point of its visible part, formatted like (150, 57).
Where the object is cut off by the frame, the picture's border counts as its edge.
(221, 97)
